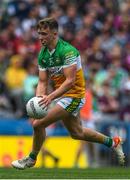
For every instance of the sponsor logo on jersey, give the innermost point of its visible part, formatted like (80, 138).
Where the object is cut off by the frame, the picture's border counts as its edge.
(55, 70)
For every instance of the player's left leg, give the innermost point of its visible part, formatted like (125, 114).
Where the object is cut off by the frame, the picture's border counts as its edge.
(76, 130)
(55, 114)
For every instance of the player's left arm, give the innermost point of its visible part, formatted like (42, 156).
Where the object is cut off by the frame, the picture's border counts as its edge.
(70, 75)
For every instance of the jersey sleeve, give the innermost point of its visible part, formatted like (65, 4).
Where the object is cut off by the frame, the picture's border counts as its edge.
(70, 57)
(41, 63)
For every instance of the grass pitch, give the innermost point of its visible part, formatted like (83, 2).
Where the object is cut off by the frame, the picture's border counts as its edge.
(43, 173)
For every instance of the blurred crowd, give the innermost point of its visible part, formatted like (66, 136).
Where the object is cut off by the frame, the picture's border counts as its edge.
(99, 29)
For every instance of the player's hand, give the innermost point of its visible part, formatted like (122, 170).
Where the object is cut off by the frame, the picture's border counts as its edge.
(45, 101)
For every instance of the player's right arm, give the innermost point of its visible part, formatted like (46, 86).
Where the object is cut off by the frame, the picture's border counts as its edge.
(43, 76)
(41, 89)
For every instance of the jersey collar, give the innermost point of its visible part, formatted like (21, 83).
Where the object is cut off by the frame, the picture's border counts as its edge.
(53, 50)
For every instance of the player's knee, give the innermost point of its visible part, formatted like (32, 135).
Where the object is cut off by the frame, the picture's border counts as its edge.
(76, 135)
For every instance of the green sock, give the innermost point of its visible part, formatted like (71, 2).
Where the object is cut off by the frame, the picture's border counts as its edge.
(33, 155)
(108, 141)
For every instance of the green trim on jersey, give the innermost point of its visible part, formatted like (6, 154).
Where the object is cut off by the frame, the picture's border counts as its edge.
(64, 54)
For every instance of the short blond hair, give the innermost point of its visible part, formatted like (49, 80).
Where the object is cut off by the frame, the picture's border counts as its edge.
(49, 22)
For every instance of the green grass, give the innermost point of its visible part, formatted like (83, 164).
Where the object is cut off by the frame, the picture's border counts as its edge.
(42, 173)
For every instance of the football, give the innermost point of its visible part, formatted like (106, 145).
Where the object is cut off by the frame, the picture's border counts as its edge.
(34, 110)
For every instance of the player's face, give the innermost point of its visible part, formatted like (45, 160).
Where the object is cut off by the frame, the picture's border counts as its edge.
(46, 36)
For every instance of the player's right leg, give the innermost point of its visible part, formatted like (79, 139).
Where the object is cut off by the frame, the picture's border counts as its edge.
(55, 114)
(73, 124)
(117, 147)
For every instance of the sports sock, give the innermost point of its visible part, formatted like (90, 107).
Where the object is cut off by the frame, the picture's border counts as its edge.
(33, 155)
(108, 141)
